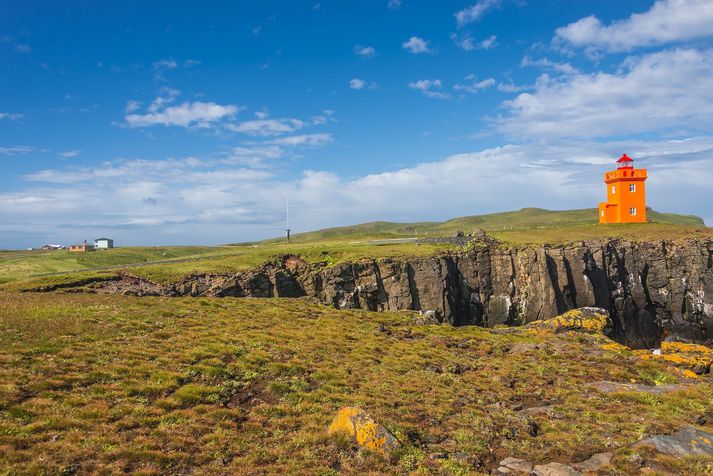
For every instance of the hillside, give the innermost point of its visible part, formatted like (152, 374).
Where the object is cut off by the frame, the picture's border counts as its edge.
(504, 222)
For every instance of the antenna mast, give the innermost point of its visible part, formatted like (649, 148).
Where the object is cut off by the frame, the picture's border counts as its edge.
(287, 217)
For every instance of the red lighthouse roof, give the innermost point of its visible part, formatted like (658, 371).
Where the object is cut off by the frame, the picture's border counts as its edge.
(625, 161)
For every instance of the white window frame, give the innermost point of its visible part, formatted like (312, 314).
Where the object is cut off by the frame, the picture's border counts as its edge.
(632, 211)
(632, 187)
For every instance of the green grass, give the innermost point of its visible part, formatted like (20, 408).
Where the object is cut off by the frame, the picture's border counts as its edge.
(112, 384)
(526, 218)
(14, 264)
(169, 264)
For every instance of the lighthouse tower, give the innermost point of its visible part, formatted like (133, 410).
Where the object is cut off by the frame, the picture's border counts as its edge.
(626, 194)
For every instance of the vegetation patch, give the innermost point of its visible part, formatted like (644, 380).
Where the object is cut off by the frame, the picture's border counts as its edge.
(109, 384)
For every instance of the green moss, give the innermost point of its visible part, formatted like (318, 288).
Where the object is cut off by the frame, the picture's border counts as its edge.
(239, 384)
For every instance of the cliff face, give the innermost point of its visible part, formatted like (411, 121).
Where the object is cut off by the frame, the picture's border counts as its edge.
(652, 290)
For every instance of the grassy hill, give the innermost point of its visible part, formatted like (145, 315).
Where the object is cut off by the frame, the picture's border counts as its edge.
(333, 245)
(525, 218)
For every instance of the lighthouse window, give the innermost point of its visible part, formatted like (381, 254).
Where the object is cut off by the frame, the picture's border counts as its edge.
(632, 187)
(613, 189)
(632, 211)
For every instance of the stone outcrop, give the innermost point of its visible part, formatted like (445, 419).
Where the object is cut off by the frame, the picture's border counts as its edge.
(689, 441)
(363, 430)
(652, 290)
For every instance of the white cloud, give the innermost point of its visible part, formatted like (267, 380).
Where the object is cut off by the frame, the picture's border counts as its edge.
(22, 48)
(169, 63)
(475, 86)
(171, 201)
(488, 43)
(132, 106)
(257, 30)
(545, 63)
(475, 12)
(304, 139)
(365, 51)
(357, 83)
(665, 22)
(267, 127)
(429, 88)
(199, 114)
(394, 4)
(69, 154)
(11, 116)
(467, 43)
(664, 91)
(360, 84)
(15, 150)
(416, 45)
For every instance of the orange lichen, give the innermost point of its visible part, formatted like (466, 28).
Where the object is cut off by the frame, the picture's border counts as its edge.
(363, 430)
(574, 320)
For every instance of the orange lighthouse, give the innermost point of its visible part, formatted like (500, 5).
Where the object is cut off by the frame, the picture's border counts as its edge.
(626, 194)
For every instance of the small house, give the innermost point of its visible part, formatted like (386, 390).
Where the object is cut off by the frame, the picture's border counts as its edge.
(81, 247)
(103, 243)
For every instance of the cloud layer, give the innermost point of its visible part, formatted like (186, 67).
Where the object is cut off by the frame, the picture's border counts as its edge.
(667, 21)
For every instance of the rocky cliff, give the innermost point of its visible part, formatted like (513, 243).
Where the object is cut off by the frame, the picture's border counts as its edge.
(653, 290)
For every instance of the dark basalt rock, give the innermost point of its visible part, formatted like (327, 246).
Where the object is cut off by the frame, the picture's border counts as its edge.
(652, 290)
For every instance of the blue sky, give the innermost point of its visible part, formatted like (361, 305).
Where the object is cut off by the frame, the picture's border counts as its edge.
(179, 122)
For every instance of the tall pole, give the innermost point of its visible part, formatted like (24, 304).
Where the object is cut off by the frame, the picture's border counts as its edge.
(287, 216)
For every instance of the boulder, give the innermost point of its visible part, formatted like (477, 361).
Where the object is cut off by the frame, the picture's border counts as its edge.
(689, 441)
(595, 463)
(363, 430)
(555, 469)
(514, 466)
(588, 320)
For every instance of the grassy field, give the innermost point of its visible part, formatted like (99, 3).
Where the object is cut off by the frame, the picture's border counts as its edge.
(14, 264)
(526, 218)
(113, 384)
(170, 264)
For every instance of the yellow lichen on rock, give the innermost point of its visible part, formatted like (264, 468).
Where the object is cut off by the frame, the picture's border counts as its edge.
(588, 320)
(363, 430)
(614, 347)
(691, 359)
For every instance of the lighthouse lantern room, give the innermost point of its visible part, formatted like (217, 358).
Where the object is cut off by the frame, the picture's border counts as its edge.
(626, 194)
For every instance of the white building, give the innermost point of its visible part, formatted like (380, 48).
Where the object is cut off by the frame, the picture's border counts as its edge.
(103, 243)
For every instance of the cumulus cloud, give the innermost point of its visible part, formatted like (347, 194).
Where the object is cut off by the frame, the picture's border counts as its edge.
(23, 48)
(467, 43)
(475, 12)
(416, 45)
(172, 200)
(394, 4)
(360, 84)
(357, 83)
(662, 91)
(197, 113)
(430, 88)
(365, 51)
(665, 22)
